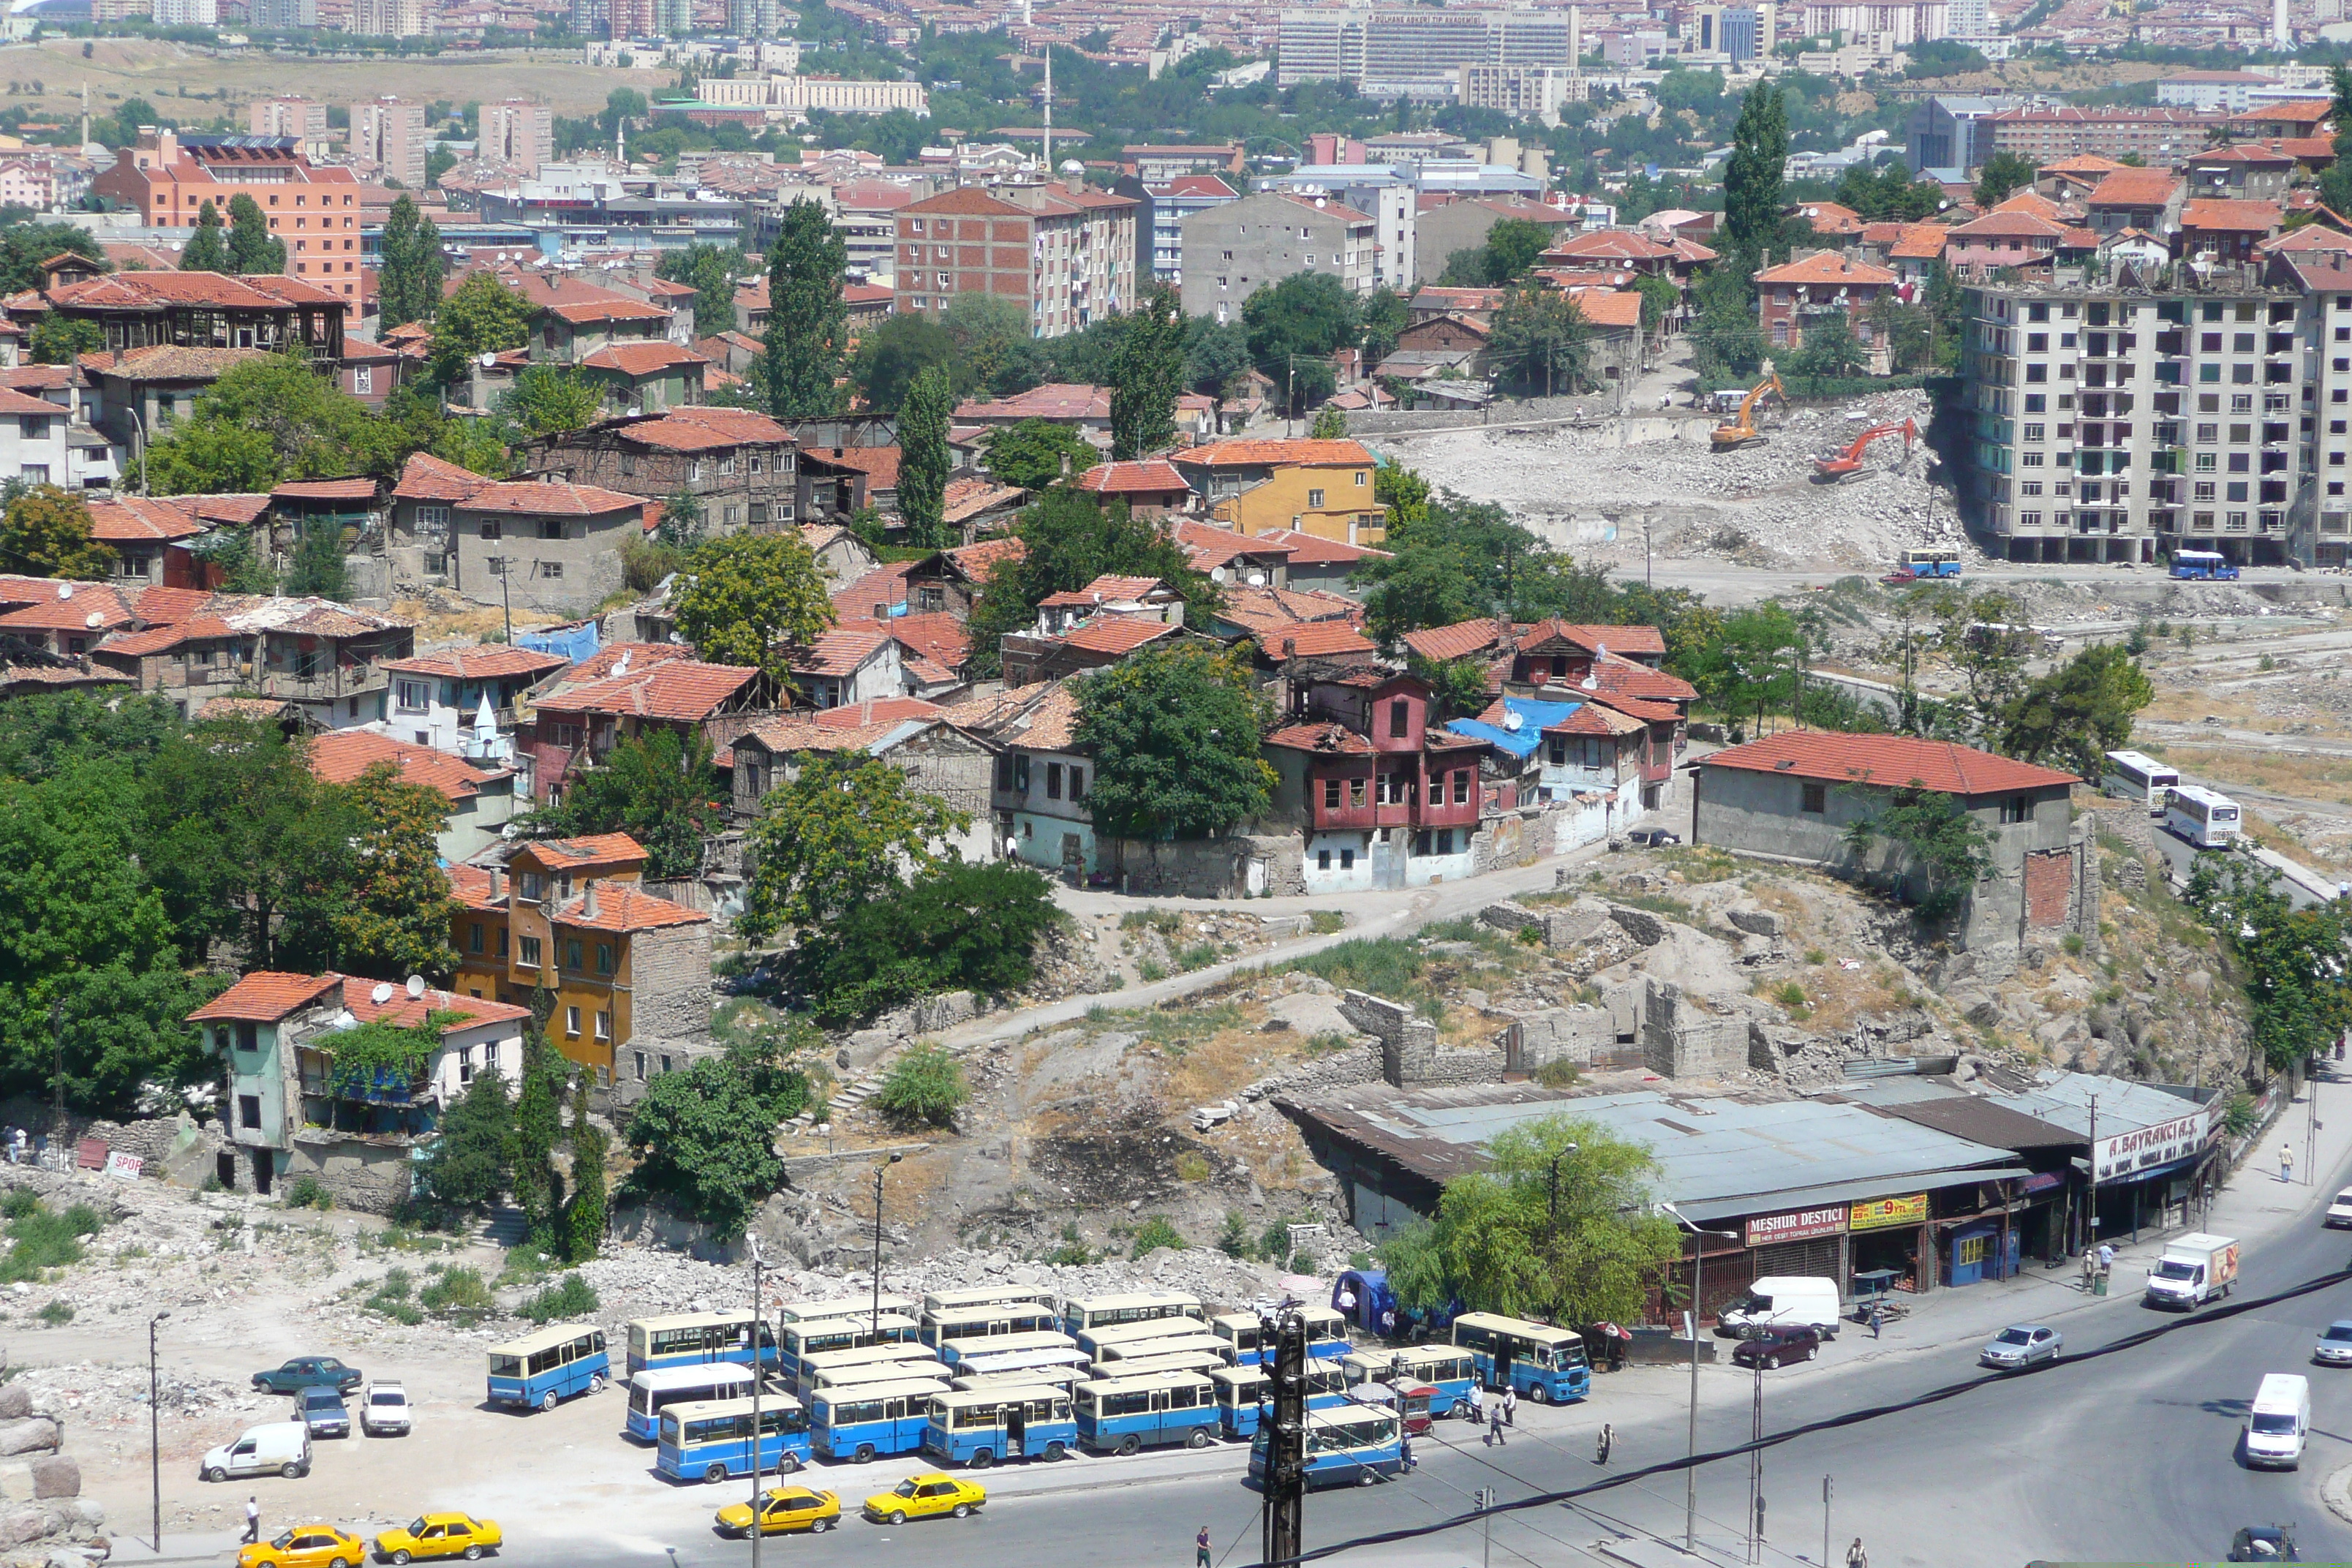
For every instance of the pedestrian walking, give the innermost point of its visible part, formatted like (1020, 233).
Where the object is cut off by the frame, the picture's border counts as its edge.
(2106, 1259)
(253, 1519)
(1607, 1440)
(1201, 1549)
(1856, 1557)
(1405, 1449)
(1877, 1316)
(1477, 1405)
(1495, 1425)
(2286, 1163)
(1511, 1406)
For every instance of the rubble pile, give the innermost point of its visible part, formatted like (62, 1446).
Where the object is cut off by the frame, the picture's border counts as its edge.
(1759, 505)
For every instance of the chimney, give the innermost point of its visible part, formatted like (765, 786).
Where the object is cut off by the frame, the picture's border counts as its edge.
(588, 899)
(881, 611)
(496, 890)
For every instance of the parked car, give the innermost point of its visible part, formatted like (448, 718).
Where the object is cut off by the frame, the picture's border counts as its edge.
(2339, 1212)
(308, 1372)
(782, 1511)
(384, 1410)
(2021, 1344)
(1777, 1342)
(276, 1448)
(305, 1546)
(924, 1497)
(321, 1410)
(439, 1535)
(2334, 1346)
(1899, 576)
(2265, 1543)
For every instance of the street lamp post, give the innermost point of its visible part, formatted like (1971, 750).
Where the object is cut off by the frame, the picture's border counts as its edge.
(155, 1429)
(878, 1241)
(759, 1379)
(1690, 1459)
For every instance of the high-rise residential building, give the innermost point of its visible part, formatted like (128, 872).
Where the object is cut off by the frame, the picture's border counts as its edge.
(1970, 18)
(388, 137)
(1523, 92)
(674, 18)
(1064, 253)
(282, 15)
(632, 19)
(591, 18)
(187, 13)
(302, 118)
(1418, 52)
(391, 18)
(516, 134)
(2116, 422)
(751, 18)
(1233, 250)
(167, 177)
(1159, 226)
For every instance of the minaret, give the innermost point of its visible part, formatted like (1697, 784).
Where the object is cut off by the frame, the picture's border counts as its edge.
(85, 114)
(1049, 110)
(2282, 37)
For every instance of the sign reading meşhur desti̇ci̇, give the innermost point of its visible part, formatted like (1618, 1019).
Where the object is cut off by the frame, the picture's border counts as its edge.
(1797, 1224)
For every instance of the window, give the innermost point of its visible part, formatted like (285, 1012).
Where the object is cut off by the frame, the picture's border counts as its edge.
(549, 570)
(1461, 786)
(529, 957)
(1816, 800)
(1400, 719)
(1347, 859)
(551, 528)
(1355, 793)
(571, 952)
(1330, 800)
(490, 530)
(1005, 774)
(1315, 498)
(2017, 808)
(604, 1025)
(603, 958)
(628, 464)
(641, 1066)
(1053, 781)
(248, 1111)
(414, 695)
(1078, 782)
(1362, 478)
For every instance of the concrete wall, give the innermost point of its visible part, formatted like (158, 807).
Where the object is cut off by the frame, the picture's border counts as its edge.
(1236, 866)
(374, 1175)
(588, 556)
(671, 973)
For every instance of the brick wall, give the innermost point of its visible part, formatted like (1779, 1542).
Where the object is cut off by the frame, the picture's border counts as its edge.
(2049, 886)
(670, 972)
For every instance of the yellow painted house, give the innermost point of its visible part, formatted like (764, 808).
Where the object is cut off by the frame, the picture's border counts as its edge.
(1319, 488)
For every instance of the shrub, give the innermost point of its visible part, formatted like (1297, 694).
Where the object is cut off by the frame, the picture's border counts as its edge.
(1074, 1252)
(925, 1085)
(1234, 1240)
(307, 1193)
(57, 1315)
(40, 1240)
(1557, 1073)
(1154, 1234)
(571, 1297)
(20, 1202)
(1815, 956)
(2074, 943)
(962, 927)
(1301, 1263)
(1149, 972)
(1200, 956)
(392, 1299)
(1192, 1165)
(1274, 1242)
(457, 1294)
(1323, 922)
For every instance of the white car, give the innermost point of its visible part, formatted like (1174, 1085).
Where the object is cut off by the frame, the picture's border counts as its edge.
(2340, 1211)
(2334, 1346)
(384, 1410)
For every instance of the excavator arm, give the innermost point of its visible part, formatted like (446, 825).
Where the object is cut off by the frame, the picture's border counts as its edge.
(1849, 462)
(1742, 431)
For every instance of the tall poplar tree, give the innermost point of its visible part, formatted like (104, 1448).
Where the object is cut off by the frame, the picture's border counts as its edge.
(1148, 372)
(204, 251)
(924, 460)
(1751, 181)
(252, 249)
(808, 326)
(409, 278)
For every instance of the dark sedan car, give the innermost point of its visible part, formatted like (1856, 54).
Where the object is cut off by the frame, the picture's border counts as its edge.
(1777, 1344)
(2265, 1543)
(308, 1372)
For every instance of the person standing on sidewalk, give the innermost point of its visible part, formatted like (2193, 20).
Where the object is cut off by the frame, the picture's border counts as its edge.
(2106, 1259)
(1405, 1449)
(2286, 1163)
(1477, 1405)
(1201, 1549)
(252, 1519)
(1511, 1404)
(1856, 1557)
(1877, 1317)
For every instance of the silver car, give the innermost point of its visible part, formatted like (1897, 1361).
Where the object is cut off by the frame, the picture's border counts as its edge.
(2021, 1344)
(2334, 1346)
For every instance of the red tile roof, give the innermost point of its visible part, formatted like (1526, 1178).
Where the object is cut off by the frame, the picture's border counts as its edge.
(885, 584)
(1616, 639)
(325, 490)
(624, 907)
(2296, 111)
(1155, 476)
(265, 996)
(976, 561)
(1313, 639)
(838, 652)
(489, 661)
(138, 520)
(588, 852)
(937, 636)
(549, 498)
(683, 690)
(74, 614)
(235, 508)
(167, 362)
(341, 756)
(1258, 452)
(641, 359)
(1054, 400)
(2130, 187)
(1890, 759)
(610, 659)
(2213, 213)
(158, 290)
(1118, 634)
(614, 310)
(1332, 738)
(1459, 640)
(878, 464)
(164, 638)
(702, 430)
(1208, 547)
(428, 477)
(968, 201)
(1827, 267)
(403, 1011)
(1314, 549)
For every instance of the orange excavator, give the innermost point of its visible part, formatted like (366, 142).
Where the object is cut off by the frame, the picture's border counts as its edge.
(1846, 464)
(1742, 432)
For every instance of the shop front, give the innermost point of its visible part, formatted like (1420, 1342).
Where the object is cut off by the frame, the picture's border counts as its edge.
(1891, 1235)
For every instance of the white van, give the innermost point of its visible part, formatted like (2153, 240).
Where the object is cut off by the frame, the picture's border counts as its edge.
(2282, 1414)
(1780, 1300)
(279, 1448)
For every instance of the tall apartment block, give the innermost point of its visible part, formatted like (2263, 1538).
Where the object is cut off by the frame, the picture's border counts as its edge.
(283, 16)
(1418, 52)
(516, 135)
(2113, 424)
(388, 135)
(301, 118)
(391, 18)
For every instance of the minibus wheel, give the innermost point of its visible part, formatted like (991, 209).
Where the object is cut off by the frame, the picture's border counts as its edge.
(596, 1384)
(1052, 1452)
(864, 1454)
(547, 1400)
(1130, 1444)
(981, 1458)
(1538, 1393)
(1199, 1438)
(788, 1464)
(714, 1474)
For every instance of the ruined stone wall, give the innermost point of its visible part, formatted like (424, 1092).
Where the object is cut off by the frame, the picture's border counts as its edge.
(370, 1175)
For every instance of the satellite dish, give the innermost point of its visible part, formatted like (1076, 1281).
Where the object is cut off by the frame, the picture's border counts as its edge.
(489, 359)
(382, 993)
(93, 620)
(1217, 573)
(65, 590)
(1257, 579)
(415, 986)
(1513, 720)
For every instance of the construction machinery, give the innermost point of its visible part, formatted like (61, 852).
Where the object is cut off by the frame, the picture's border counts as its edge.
(1846, 464)
(1742, 432)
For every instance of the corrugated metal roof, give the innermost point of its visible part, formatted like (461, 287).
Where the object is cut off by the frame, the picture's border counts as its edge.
(2064, 1099)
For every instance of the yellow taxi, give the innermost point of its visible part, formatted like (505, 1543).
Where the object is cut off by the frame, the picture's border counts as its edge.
(783, 1509)
(924, 1497)
(439, 1535)
(305, 1546)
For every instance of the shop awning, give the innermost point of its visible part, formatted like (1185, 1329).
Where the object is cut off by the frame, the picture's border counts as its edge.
(1706, 1209)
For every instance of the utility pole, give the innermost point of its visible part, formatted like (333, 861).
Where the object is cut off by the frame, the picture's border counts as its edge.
(1690, 1321)
(1756, 1468)
(155, 1429)
(877, 1242)
(1825, 1521)
(758, 1383)
(1485, 1497)
(1284, 1480)
(2092, 1243)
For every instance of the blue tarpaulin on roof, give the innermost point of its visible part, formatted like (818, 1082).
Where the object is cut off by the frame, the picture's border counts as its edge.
(1534, 717)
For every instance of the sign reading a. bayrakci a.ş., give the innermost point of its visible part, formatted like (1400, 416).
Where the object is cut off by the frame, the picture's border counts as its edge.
(2144, 1148)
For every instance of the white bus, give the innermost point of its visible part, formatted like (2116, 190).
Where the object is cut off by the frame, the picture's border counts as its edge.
(2204, 816)
(2131, 775)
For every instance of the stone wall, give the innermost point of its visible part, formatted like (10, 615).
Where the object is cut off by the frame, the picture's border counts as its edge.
(1235, 867)
(1410, 1058)
(372, 1175)
(1579, 1036)
(45, 1521)
(1680, 1041)
(669, 971)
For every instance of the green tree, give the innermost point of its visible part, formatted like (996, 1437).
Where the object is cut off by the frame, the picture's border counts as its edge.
(1725, 341)
(711, 271)
(1148, 373)
(891, 356)
(2003, 173)
(622, 105)
(548, 399)
(839, 835)
(61, 339)
(1174, 734)
(1294, 326)
(742, 597)
(681, 529)
(1036, 453)
(962, 927)
(537, 1184)
(1559, 1226)
(807, 323)
(397, 922)
(1386, 316)
(1660, 299)
(1457, 686)
(925, 1088)
(2290, 961)
(924, 461)
(266, 421)
(1829, 348)
(704, 1140)
(663, 791)
(1751, 669)
(408, 278)
(319, 568)
(2072, 716)
(584, 1216)
(1886, 192)
(465, 1165)
(481, 316)
(252, 249)
(1983, 641)
(1330, 424)
(1751, 180)
(1510, 252)
(1068, 541)
(994, 353)
(25, 246)
(1540, 343)
(1216, 356)
(1451, 559)
(1940, 851)
(45, 532)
